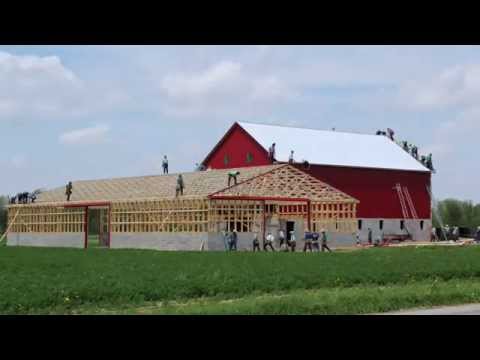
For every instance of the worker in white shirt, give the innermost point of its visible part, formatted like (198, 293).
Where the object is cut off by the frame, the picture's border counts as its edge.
(281, 237)
(293, 241)
(269, 242)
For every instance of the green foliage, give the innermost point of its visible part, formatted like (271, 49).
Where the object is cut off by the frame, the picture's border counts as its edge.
(458, 213)
(48, 280)
(3, 214)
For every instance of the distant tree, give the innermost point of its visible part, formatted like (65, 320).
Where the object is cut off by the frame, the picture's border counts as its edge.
(458, 213)
(3, 214)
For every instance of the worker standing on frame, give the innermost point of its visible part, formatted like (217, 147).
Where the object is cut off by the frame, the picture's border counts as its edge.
(233, 175)
(165, 164)
(180, 185)
(69, 190)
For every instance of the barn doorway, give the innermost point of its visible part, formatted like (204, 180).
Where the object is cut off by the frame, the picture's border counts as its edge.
(290, 226)
(98, 227)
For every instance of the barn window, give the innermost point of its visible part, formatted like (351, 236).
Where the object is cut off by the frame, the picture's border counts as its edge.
(402, 224)
(359, 224)
(380, 225)
(421, 225)
(249, 157)
(226, 159)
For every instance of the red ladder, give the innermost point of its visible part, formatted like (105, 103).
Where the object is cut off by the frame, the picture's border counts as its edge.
(398, 187)
(410, 203)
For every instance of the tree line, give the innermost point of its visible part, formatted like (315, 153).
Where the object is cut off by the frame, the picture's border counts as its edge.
(458, 213)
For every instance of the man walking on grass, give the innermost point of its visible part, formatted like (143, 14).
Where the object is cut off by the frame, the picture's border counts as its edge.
(281, 237)
(293, 241)
(256, 243)
(308, 241)
(269, 242)
(324, 241)
(233, 241)
(315, 244)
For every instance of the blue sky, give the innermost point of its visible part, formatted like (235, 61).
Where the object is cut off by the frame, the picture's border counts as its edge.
(86, 112)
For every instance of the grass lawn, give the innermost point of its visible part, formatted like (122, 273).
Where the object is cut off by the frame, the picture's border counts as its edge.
(46, 280)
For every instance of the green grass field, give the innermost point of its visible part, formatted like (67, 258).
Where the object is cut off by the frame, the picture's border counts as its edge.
(45, 280)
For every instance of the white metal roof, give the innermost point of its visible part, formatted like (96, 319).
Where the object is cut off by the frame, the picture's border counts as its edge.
(328, 147)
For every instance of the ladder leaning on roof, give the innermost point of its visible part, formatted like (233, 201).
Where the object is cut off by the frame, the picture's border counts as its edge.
(410, 203)
(401, 197)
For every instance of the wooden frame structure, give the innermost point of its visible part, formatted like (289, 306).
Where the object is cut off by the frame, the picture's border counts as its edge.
(280, 191)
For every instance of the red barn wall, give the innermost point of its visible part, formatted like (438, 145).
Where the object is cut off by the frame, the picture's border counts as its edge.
(374, 188)
(236, 145)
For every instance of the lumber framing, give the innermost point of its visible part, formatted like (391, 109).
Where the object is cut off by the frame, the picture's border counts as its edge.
(283, 191)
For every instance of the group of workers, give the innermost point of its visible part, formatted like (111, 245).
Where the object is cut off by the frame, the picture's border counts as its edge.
(313, 241)
(23, 198)
(413, 150)
(452, 233)
(379, 240)
(388, 133)
(409, 148)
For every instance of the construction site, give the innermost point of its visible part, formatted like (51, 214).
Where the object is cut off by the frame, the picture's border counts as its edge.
(291, 179)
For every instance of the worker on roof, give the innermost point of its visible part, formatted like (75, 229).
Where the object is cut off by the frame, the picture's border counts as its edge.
(165, 164)
(324, 241)
(429, 161)
(390, 134)
(69, 190)
(415, 152)
(405, 145)
(290, 158)
(180, 185)
(271, 152)
(233, 175)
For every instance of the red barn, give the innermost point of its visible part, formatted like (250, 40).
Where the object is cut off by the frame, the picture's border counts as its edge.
(392, 186)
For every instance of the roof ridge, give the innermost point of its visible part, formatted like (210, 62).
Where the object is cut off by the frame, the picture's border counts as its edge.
(171, 174)
(305, 128)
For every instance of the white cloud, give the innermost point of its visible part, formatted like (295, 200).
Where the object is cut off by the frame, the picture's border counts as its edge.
(36, 86)
(225, 87)
(19, 161)
(86, 136)
(455, 86)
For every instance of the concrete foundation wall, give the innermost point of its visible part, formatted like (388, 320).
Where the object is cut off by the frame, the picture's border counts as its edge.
(159, 241)
(75, 240)
(392, 227)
